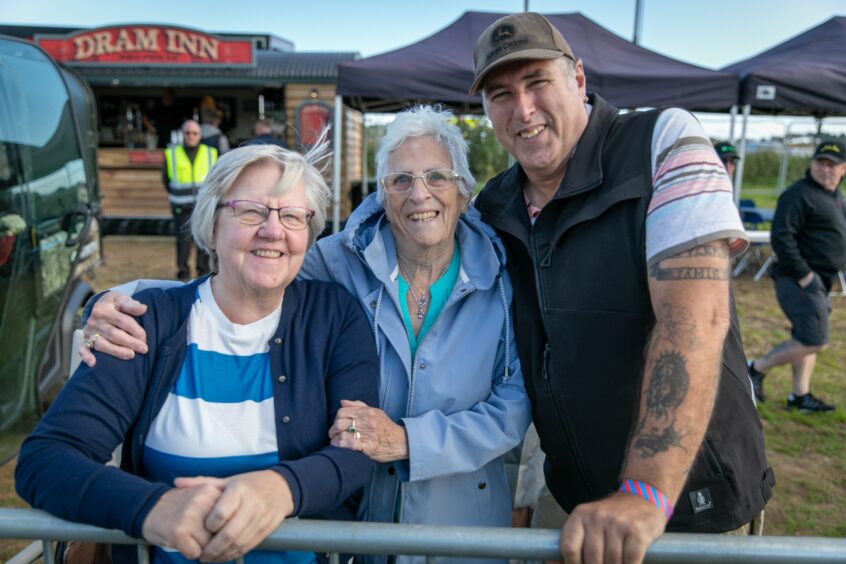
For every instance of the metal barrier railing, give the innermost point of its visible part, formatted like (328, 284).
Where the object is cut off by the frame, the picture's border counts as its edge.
(335, 537)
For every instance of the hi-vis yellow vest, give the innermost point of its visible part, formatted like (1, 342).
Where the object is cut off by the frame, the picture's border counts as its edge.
(184, 179)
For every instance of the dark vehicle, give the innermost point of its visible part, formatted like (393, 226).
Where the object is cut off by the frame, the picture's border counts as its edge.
(49, 232)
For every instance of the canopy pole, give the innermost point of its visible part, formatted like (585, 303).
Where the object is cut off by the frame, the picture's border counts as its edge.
(738, 175)
(336, 166)
(732, 119)
(638, 18)
(365, 181)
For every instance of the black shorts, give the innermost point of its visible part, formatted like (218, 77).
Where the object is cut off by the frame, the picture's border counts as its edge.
(806, 308)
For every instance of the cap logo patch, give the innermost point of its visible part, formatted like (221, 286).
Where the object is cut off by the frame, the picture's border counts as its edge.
(829, 148)
(502, 32)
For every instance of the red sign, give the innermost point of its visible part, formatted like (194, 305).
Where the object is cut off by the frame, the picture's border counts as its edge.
(148, 45)
(312, 117)
(147, 157)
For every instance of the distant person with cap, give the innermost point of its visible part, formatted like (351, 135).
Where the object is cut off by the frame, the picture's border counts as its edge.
(618, 231)
(809, 241)
(728, 156)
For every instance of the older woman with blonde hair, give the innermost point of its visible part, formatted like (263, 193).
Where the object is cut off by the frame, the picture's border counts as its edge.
(225, 422)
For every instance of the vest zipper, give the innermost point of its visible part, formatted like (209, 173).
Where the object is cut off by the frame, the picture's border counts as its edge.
(545, 371)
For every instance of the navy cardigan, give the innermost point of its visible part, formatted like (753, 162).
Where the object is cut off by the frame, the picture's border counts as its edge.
(318, 348)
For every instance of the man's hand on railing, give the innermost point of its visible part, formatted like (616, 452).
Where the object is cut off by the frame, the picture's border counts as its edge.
(616, 529)
(177, 520)
(250, 507)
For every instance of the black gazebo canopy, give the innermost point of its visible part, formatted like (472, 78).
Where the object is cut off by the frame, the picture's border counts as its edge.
(439, 68)
(803, 75)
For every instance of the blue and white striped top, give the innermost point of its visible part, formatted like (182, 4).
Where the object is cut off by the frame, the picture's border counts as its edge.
(218, 419)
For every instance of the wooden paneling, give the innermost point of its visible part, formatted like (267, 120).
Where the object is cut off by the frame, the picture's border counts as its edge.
(131, 183)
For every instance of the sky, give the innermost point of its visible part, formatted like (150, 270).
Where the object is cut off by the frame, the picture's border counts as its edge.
(709, 33)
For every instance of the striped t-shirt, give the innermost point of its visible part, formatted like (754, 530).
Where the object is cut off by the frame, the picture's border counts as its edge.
(692, 199)
(218, 419)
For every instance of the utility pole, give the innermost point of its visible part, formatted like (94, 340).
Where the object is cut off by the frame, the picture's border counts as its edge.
(638, 16)
(525, 5)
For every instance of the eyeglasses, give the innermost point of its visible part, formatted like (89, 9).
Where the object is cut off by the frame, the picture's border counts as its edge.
(439, 179)
(190, 133)
(248, 212)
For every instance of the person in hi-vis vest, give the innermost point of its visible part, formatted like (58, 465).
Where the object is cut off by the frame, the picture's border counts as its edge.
(186, 167)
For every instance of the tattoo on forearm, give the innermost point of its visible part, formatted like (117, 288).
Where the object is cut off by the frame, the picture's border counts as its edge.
(656, 432)
(688, 273)
(679, 326)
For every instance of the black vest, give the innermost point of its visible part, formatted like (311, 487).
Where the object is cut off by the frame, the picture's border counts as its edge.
(582, 317)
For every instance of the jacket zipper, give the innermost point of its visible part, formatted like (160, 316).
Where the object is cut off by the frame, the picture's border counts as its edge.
(408, 405)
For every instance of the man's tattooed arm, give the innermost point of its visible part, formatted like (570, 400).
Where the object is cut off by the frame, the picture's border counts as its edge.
(690, 298)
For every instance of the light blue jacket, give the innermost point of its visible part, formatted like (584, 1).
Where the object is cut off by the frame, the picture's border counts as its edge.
(461, 399)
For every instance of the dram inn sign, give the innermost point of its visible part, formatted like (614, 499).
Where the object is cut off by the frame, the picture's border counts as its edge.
(148, 45)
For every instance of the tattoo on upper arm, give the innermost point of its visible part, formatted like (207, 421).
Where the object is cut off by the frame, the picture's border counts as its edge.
(717, 249)
(679, 326)
(666, 270)
(688, 273)
(668, 385)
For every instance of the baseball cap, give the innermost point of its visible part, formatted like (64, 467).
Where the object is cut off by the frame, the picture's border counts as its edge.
(726, 151)
(518, 37)
(831, 150)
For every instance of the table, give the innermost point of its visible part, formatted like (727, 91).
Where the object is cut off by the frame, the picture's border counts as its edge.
(757, 241)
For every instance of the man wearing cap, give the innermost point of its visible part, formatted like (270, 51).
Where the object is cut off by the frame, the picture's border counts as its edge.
(809, 241)
(618, 230)
(728, 156)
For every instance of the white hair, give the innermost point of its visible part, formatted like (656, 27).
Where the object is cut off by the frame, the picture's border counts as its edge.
(426, 121)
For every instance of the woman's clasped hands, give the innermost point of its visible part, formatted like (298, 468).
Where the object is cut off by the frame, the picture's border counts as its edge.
(219, 519)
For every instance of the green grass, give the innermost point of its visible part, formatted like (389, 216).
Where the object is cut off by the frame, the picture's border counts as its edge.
(806, 451)
(764, 192)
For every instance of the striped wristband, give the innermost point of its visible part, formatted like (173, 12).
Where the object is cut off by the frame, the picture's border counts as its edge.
(650, 494)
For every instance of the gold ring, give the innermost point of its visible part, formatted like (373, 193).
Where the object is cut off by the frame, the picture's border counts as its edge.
(89, 342)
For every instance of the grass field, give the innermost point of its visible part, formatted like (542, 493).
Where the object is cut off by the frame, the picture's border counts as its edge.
(807, 452)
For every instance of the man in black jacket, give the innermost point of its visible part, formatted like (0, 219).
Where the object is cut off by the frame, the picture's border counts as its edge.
(809, 241)
(619, 230)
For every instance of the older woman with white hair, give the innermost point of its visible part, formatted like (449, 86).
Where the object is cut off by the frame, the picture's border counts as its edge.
(432, 279)
(245, 373)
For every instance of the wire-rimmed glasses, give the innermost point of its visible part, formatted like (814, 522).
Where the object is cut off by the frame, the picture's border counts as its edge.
(438, 179)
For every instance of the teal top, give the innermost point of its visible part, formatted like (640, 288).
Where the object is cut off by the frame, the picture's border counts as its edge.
(439, 293)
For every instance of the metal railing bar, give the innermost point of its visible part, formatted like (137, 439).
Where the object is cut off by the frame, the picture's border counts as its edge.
(475, 542)
(143, 554)
(334, 558)
(47, 551)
